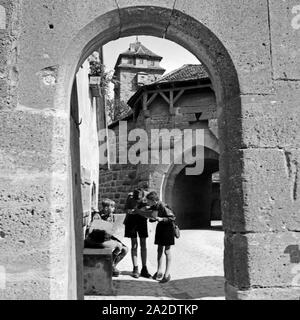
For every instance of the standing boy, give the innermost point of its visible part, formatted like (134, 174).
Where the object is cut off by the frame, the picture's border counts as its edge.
(137, 225)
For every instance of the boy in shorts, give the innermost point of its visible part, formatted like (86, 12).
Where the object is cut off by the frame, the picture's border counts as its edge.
(137, 226)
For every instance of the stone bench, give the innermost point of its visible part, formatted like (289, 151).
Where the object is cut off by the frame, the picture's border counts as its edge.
(97, 272)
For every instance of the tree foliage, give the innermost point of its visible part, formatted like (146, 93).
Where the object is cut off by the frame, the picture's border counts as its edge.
(115, 110)
(97, 69)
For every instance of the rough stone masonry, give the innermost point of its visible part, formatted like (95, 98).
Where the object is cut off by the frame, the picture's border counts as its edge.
(251, 52)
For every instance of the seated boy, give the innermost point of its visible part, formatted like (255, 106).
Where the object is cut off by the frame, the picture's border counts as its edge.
(100, 234)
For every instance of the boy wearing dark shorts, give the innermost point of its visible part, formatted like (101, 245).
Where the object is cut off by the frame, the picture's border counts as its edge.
(137, 226)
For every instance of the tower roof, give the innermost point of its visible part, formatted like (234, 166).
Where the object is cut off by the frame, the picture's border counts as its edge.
(137, 49)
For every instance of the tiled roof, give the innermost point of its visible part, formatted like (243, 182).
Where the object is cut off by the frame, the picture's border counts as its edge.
(138, 49)
(185, 73)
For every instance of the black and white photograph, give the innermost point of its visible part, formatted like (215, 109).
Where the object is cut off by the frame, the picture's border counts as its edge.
(149, 152)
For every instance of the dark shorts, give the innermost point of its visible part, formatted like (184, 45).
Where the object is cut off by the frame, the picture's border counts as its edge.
(136, 226)
(164, 235)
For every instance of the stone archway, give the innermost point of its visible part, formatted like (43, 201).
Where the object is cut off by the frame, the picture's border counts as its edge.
(256, 85)
(190, 195)
(45, 76)
(183, 30)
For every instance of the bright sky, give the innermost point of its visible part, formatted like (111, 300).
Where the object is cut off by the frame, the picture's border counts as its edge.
(174, 56)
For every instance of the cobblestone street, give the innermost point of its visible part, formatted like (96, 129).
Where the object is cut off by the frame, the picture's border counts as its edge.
(197, 270)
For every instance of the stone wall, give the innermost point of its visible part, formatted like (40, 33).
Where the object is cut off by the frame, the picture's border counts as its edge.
(116, 181)
(116, 184)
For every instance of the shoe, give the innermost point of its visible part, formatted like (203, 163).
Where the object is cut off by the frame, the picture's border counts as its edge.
(165, 279)
(135, 273)
(158, 276)
(116, 272)
(145, 273)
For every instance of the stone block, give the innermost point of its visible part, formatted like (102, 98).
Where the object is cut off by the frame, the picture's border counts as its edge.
(243, 29)
(32, 141)
(259, 192)
(156, 3)
(285, 31)
(27, 290)
(231, 166)
(154, 19)
(34, 274)
(39, 190)
(233, 293)
(97, 272)
(272, 120)
(67, 19)
(262, 260)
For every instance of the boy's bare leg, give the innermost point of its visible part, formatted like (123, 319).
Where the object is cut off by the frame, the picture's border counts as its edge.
(134, 250)
(168, 260)
(116, 248)
(144, 273)
(143, 242)
(160, 250)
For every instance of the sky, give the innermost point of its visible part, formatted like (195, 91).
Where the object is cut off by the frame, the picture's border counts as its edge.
(174, 56)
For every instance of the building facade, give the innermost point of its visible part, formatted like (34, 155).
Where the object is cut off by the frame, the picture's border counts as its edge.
(183, 99)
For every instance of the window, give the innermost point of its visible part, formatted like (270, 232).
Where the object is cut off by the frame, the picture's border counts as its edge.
(141, 61)
(152, 63)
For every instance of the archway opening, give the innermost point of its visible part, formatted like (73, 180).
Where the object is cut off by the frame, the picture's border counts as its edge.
(194, 196)
(183, 30)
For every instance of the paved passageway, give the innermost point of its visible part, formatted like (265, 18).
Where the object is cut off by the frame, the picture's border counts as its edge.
(197, 271)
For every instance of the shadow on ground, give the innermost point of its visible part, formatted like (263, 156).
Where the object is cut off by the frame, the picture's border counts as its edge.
(191, 288)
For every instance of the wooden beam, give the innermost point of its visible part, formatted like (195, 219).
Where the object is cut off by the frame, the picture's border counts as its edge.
(138, 100)
(200, 86)
(145, 98)
(151, 99)
(171, 102)
(179, 94)
(164, 96)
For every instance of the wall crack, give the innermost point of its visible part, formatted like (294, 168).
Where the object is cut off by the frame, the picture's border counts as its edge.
(169, 23)
(119, 13)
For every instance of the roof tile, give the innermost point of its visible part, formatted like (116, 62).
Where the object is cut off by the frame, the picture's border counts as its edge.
(184, 73)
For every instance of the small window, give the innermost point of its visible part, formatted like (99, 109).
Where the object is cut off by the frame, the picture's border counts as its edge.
(141, 61)
(152, 63)
(129, 61)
